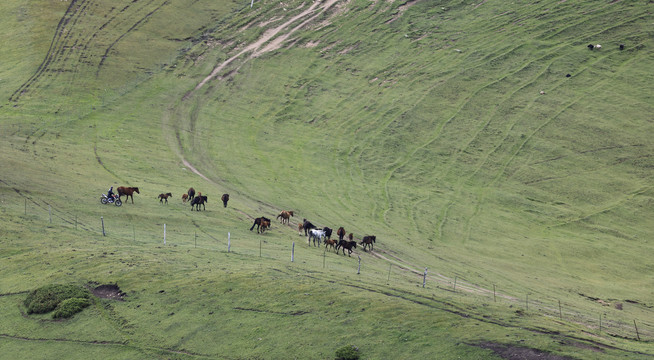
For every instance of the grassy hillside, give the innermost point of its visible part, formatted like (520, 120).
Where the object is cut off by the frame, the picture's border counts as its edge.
(482, 141)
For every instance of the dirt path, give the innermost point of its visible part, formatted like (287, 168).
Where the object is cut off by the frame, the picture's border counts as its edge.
(272, 39)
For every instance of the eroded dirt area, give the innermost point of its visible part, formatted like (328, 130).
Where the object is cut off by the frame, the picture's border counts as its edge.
(520, 353)
(108, 291)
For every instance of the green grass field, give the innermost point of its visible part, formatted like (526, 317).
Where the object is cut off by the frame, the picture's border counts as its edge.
(482, 142)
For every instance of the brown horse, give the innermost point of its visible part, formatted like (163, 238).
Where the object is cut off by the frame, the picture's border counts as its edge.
(285, 216)
(184, 198)
(191, 193)
(331, 242)
(225, 199)
(165, 196)
(299, 228)
(341, 233)
(127, 191)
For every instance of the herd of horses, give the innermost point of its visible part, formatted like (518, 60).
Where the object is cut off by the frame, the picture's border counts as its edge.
(195, 200)
(319, 235)
(312, 232)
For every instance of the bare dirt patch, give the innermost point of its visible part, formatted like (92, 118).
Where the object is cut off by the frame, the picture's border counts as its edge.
(520, 353)
(109, 291)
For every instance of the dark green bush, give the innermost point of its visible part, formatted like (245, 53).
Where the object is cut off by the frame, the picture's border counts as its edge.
(349, 352)
(70, 307)
(47, 298)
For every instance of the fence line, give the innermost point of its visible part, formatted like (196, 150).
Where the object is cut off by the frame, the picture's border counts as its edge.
(636, 329)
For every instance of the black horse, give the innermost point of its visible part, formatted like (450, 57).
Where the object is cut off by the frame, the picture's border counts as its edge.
(225, 199)
(307, 225)
(328, 232)
(197, 201)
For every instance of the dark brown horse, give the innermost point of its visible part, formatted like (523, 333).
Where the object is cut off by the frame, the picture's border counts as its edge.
(199, 200)
(341, 233)
(128, 192)
(349, 245)
(225, 199)
(368, 240)
(184, 197)
(262, 223)
(165, 196)
(190, 193)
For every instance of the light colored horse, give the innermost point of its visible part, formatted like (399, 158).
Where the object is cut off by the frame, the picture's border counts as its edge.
(316, 234)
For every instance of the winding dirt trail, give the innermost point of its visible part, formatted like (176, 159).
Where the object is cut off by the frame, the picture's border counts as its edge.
(271, 39)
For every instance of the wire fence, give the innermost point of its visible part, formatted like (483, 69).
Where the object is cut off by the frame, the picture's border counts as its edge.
(610, 320)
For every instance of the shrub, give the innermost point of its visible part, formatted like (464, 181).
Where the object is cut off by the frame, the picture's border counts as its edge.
(70, 307)
(47, 298)
(349, 352)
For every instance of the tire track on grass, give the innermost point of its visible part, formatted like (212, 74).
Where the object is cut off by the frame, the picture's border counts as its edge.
(71, 14)
(134, 26)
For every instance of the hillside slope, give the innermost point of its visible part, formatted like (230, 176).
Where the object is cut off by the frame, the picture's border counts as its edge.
(483, 141)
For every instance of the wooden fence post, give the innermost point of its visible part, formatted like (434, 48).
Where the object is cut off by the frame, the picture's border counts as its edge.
(102, 221)
(527, 302)
(293, 252)
(359, 268)
(637, 335)
(50, 213)
(424, 278)
(229, 241)
(389, 273)
(164, 234)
